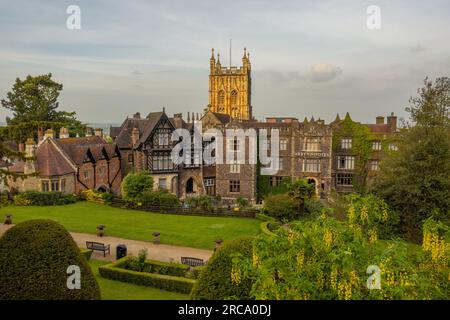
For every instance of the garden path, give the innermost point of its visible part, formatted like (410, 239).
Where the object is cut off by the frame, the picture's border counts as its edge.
(162, 252)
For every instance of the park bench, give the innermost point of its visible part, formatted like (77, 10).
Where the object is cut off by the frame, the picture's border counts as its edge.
(192, 262)
(98, 247)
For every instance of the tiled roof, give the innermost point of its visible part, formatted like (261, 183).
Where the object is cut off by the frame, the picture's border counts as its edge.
(76, 148)
(123, 138)
(50, 161)
(152, 120)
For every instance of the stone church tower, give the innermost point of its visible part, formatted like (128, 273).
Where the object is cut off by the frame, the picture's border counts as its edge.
(230, 88)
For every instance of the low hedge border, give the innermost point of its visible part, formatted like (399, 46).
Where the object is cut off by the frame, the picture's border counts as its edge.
(265, 228)
(116, 271)
(87, 253)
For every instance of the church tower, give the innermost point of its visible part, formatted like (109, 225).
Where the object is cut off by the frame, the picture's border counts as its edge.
(230, 88)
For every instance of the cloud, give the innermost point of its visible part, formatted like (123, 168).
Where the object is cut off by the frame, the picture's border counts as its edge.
(322, 72)
(137, 73)
(418, 48)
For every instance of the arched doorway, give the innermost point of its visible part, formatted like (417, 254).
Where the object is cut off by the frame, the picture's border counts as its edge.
(102, 189)
(314, 183)
(190, 186)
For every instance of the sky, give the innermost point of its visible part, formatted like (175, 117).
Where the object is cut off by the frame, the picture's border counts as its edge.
(309, 58)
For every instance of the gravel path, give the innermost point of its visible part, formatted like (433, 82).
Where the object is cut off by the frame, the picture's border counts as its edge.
(162, 252)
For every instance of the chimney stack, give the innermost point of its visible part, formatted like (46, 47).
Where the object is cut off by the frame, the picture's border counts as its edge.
(88, 132)
(30, 149)
(380, 120)
(134, 136)
(98, 132)
(137, 115)
(63, 133)
(49, 133)
(392, 122)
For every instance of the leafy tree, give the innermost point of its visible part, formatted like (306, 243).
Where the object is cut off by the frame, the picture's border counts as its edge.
(135, 185)
(415, 180)
(34, 104)
(301, 191)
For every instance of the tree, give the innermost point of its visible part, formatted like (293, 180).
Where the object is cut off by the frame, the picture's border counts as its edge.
(415, 180)
(34, 104)
(35, 257)
(301, 191)
(135, 185)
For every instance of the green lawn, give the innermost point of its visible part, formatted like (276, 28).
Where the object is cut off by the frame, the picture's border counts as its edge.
(116, 290)
(189, 231)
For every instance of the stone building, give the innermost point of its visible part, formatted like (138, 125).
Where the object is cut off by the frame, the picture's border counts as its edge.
(345, 160)
(69, 165)
(306, 147)
(230, 88)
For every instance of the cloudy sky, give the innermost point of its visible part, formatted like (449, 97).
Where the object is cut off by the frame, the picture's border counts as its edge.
(308, 57)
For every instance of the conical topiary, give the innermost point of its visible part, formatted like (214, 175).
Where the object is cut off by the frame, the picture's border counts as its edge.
(34, 258)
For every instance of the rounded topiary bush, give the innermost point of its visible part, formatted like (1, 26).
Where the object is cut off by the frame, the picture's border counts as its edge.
(34, 257)
(214, 282)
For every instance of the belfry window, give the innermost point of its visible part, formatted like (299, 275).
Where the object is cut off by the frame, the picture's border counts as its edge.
(233, 98)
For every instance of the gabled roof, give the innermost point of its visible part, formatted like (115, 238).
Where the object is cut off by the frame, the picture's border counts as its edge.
(123, 138)
(152, 119)
(50, 161)
(76, 148)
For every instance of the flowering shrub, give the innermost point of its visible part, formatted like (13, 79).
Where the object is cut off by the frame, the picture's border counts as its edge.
(96, 196)
(329, 259)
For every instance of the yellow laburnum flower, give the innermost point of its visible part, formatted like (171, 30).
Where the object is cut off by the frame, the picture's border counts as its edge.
(351, 214)
(364, 214)
(300, 258)
(384, 215)
(373, 235)
(256, 260)
(235, 275)
(333, 279)
(328, 237)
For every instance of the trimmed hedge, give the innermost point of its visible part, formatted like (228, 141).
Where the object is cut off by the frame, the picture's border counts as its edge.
(214, 282)
(159, 267)
(116, 271)
(34, 257)
(265, 228)
(87, 253)
(34, 198)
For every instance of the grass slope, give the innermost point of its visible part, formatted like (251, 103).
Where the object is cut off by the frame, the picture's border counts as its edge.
(189, 231)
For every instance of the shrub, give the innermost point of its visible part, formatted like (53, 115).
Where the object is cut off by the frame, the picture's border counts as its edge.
(34, 257)
(242, 202)
(135, 184)
(159, 198)
(114, 271)
(159, 267)
(281, 207)
(215, 282)
(34, 198)
(92, 195)
(329, 259)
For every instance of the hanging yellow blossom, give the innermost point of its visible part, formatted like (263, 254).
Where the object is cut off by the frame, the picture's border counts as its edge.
(373, 235)
(255, 259)
(328, 237)
(300, 258)
(333, 279)
(384, 215)
(364, 214)
(235, 275)
(351, 214)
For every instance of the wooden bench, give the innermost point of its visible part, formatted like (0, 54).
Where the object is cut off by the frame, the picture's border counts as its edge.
(192, 262)
(98, 247)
